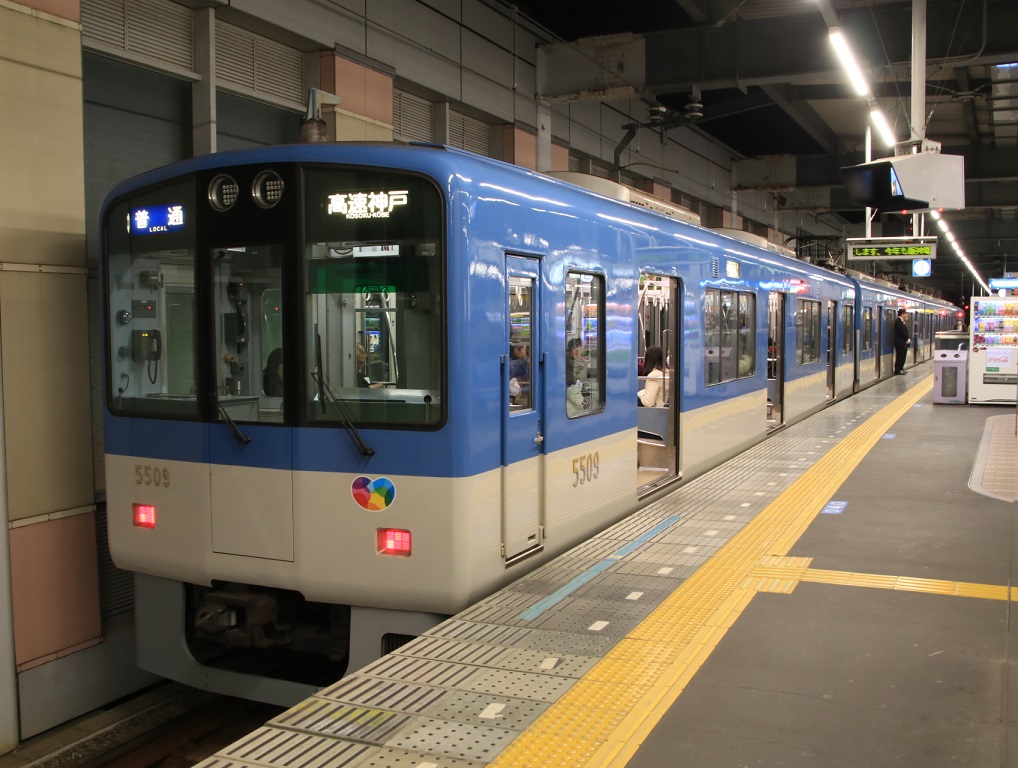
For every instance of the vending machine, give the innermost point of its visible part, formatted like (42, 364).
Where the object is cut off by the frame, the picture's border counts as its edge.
(993, 358)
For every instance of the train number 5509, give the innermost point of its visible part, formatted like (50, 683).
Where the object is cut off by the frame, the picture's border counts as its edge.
(586, 468)
(157, 476)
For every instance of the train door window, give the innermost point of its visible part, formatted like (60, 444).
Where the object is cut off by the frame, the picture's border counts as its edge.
(807, 327)
(867, 329)
(248, 371)
(584, 353)
(149, 264)
(520, 350)
(746, 338)
(847, 329)
(374, 349)
(775, 329)
(889, 314)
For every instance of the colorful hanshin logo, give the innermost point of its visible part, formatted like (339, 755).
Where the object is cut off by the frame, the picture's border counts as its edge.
(373, 494)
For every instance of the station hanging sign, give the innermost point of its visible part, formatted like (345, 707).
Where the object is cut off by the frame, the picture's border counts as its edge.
(889, 248)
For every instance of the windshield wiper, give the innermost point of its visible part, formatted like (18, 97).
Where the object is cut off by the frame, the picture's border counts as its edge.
(344, 415)
(323, 391)
(241, 437)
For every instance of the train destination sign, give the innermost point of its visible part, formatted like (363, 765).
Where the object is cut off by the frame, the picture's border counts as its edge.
(366, 205)
(153, 219)
(888, 248)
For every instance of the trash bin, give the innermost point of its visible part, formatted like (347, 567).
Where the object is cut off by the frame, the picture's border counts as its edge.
(950, 340)
(949, 375)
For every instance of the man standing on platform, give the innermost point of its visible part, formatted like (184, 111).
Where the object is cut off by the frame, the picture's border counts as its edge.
(901, 341)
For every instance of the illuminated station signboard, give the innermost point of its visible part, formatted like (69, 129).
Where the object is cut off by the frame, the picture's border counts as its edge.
(888, 248)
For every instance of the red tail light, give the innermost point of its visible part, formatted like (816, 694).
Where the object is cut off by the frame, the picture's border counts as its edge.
(393, 541)
(144, 515)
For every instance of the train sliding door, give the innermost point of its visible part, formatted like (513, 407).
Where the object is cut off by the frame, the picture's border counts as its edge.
(523, 415)
(887, 316)
(775, 359)
(657, 427)
(832, 349)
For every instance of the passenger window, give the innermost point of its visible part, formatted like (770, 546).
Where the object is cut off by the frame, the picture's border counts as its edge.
(729, 335)
(584, 366)
(712, 336)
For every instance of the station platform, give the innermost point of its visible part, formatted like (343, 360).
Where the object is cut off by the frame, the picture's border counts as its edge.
(838, 596)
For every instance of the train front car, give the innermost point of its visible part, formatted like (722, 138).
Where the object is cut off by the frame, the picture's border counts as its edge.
(351, 389)
(278, 460)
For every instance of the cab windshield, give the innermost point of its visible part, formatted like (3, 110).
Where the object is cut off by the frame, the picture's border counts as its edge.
(373, 315)
(200, 300)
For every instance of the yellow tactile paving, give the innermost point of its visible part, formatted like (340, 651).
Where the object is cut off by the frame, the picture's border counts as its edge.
(910, 584)
(777, 574)
(935, 586)
(986, 591)
(872, 580)
(689, 624)
(826, 577)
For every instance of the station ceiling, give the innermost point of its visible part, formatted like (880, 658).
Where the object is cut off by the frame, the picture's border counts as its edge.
(771, 87)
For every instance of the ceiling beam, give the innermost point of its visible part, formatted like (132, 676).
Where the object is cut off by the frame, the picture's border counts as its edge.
(788, 49)
(804, 115)
(698, 12)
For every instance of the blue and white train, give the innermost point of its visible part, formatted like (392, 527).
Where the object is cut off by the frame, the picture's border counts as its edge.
(351, 389)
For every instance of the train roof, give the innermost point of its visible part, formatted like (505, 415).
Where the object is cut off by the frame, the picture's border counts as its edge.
(449, 164)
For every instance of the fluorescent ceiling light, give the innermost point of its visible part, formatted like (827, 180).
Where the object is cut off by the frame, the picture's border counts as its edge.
(848, 62)
(880, 122)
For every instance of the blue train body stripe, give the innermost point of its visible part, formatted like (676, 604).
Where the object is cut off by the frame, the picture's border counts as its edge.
(565, 590)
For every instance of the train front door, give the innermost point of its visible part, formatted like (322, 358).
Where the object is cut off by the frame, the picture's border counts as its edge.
(523, 411)
(252, 505)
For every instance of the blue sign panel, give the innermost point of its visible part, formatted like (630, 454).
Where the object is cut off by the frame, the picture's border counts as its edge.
(154, 219)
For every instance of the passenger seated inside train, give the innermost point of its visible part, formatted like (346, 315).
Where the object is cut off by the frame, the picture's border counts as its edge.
(363, 370)
(577, 384)
(272, 378)
(519, 372)
(653, 393)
